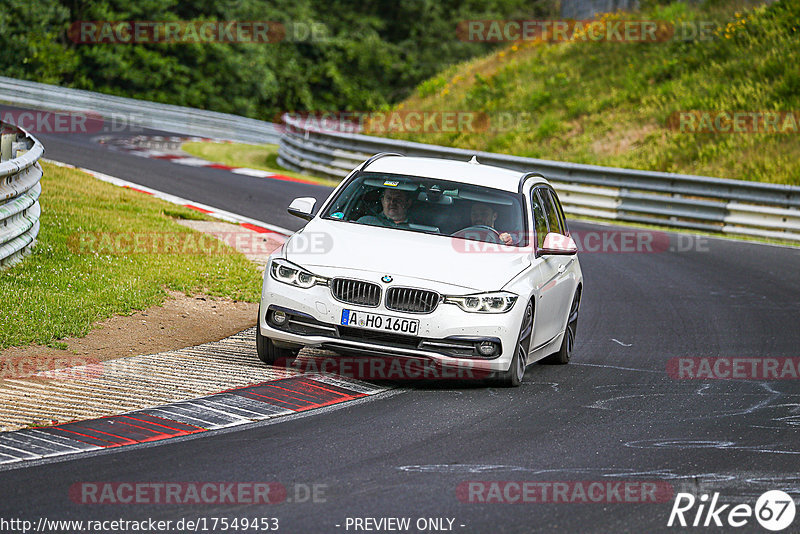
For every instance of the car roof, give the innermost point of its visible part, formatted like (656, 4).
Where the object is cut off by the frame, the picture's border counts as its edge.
(446, 169)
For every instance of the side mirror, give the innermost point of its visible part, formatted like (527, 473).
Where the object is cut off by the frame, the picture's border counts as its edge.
(558, 244)
(303, 207)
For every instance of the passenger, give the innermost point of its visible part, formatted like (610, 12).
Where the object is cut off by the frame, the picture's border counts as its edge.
(486, 215)
(395, 204)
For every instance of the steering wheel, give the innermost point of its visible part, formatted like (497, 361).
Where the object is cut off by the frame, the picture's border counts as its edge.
(479, 232)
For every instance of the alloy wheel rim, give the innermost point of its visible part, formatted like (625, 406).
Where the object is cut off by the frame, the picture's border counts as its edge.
(522, 350)
(573, 321)
(570, 339)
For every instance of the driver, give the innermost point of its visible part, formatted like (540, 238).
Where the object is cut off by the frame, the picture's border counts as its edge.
(486, 215)
(395, 205)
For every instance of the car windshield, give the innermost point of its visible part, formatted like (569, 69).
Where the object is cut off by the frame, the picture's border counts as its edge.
(431, 206)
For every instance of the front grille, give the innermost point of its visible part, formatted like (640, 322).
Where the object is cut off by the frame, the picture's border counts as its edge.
(406, 299)
(375, 336)
(356, 292)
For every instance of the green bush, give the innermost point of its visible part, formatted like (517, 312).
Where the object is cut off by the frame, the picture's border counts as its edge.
(374, 53)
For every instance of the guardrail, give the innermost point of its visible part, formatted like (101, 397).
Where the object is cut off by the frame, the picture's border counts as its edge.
(660, 198)
(20, 173)
(169, 118)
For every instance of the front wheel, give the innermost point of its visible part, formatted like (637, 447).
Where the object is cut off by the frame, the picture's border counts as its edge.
(513, 377)
(565, 352)
(269, 353)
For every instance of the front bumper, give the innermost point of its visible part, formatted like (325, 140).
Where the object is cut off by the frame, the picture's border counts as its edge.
(447, 336)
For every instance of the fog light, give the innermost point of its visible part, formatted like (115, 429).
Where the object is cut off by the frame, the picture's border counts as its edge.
(278, 317)
(487, 348)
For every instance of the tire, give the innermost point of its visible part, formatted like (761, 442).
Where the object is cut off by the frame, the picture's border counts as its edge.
(516, 371)
(568, 343)
(268, 352)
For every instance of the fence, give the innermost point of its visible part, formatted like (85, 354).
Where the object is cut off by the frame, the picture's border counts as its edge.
(20, 173)
(665, 199)
(176, 119)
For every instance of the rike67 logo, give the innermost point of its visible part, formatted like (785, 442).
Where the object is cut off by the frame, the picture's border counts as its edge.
(774, 510)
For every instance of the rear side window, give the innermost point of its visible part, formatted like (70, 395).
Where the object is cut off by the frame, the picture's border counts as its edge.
(560, 210)
(555, 217)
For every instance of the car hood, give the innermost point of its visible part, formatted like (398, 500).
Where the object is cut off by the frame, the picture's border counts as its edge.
(331, 245)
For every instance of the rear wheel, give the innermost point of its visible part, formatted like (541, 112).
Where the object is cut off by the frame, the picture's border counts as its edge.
(268, 352)
(565, 352)
(513, 377)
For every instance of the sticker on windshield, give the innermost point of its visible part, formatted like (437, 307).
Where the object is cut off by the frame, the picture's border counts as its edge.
(337, 215)
(391, 183)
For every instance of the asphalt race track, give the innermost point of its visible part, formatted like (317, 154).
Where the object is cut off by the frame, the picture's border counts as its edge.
(236, 193)
(614, 414)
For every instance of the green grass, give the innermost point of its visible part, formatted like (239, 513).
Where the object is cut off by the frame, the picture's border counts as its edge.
(262, 157)
(609, 103)
(62, 290)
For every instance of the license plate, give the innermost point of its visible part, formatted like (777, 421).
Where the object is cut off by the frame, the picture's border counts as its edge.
(384, 323)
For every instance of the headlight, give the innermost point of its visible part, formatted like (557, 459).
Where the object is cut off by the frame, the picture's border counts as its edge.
(294, 275)
(497, 302)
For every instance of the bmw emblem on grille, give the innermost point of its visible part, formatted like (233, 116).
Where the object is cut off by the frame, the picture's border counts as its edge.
(386, 279)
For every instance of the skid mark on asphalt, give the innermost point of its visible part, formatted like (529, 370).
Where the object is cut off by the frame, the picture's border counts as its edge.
(685, 444)
(701, 389)
(551, 385)
(617, 367)
(759, 404)
(756, 404)
(757, 399)
(460, 468)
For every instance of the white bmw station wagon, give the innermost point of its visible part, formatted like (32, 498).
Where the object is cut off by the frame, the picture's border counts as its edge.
(452, 262)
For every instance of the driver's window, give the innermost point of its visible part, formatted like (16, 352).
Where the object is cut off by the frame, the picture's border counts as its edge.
(539, 217)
